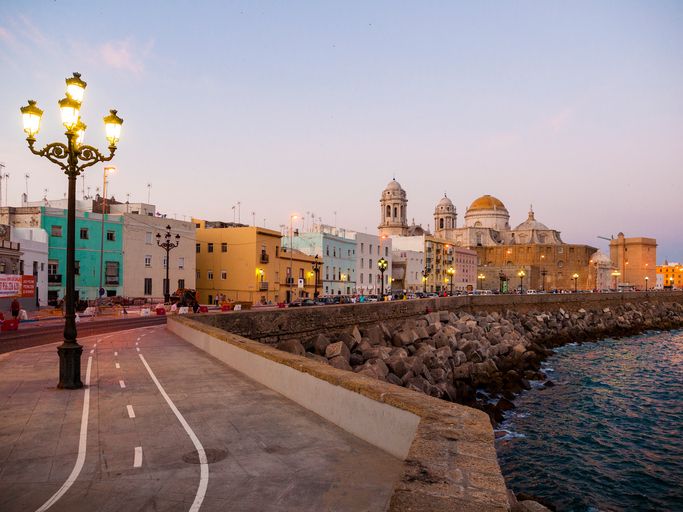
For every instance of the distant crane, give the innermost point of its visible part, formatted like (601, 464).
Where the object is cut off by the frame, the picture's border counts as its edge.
(605, 238)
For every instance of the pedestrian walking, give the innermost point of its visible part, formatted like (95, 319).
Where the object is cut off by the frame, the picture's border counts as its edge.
(15, 307)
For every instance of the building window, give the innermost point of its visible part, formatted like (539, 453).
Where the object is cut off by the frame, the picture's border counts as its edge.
(224, 274)
(111, 236)
(77, 268)
(56, 231)
(224, 246)
(198, 273)
(181, 263)
(148, 286)
(327, 249)
(209, 274)
(52, 268)
(148, 260)
(198, 248)
(84, 233)
(111, 272)
(148, 238)
(181, 284)
(362, 248)
(277, 251)
(209, 247)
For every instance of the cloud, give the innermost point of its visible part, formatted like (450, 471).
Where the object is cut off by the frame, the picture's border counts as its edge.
(562, 119)
(125, 55)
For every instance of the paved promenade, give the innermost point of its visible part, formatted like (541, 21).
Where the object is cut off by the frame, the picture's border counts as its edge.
(162, 426)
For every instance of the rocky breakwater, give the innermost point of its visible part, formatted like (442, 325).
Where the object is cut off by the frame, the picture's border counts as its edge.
(480, 359)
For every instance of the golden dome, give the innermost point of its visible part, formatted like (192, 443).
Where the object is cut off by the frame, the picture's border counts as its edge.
(487, 202)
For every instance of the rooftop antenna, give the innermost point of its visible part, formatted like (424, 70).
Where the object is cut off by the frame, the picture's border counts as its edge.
(253, 218)
(233, 213)
(27, 176)
(239, 217)
(2, 168)
(88, 196)
(6, 176)
(149, 193)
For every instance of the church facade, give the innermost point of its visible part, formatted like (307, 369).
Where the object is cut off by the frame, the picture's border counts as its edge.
(530, 255)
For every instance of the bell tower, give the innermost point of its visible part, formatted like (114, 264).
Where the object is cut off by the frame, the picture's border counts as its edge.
(393, 210)
(445, 218)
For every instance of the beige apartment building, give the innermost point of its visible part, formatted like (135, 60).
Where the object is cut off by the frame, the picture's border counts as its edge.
(634, 259)
(144, 262)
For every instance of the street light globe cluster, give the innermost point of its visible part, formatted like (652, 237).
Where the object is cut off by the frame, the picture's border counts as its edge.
(72, 158)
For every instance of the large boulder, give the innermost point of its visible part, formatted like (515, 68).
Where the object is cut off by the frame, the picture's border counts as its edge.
(340, 363)
(320, 344)
(338, 349)
(292, 346)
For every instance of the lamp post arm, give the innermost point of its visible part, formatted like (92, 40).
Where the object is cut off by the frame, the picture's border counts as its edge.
(55, 152)
(90, 155)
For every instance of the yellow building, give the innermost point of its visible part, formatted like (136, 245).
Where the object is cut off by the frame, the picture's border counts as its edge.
(301, 283)
(670, 275)
(236, 262)
(246, 263)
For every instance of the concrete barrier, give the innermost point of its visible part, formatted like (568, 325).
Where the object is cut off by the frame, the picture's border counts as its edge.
(447, 449)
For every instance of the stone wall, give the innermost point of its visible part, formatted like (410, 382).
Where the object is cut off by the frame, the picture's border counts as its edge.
(276, 325)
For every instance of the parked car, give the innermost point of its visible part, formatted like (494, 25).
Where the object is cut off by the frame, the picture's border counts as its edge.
(301, 302)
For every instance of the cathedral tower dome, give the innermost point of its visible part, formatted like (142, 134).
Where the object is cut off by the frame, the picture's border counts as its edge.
(393, 210)
(444, 218)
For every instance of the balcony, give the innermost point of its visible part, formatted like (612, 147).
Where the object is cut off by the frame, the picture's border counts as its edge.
(263, 286)
(264, 257)
(289, 280)
(54, 279)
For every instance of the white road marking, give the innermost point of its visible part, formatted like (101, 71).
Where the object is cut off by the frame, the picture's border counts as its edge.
(204, 466)
(122, 384)
(100, 339)
(82, 445)
(137, 460)
(92, 350)
(116, 354)
(131, 412)
(138, 338)
(118, 365)
(136, 343)
(137, 349)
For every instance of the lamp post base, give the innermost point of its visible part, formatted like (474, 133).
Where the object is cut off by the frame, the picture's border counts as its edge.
(70, 365)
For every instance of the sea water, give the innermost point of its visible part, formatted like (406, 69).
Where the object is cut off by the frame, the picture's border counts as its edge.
(609, 434)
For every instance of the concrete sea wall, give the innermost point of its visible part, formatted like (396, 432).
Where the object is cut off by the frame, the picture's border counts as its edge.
(449, 459)
(437, 353)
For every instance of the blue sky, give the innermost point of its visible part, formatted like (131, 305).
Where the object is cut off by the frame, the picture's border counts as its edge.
(314, 106)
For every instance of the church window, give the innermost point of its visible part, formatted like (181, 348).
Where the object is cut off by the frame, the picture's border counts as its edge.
(479, 239)
(441, 223)
(477, 224)
(541, 238)
(388, 211)
(560, 263)
(395, 212)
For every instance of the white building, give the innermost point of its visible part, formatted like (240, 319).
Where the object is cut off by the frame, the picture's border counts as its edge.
(407, 270)
(34, 250)
(144, 262)
(369, 250)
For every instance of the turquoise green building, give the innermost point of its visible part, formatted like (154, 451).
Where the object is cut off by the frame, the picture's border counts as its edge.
(98, 259)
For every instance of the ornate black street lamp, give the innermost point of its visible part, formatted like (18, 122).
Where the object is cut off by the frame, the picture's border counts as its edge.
(73, 158)
(167, 245)
(316, 271)
(425, 273)
(521, 275)
(451, 273)
(382, 265)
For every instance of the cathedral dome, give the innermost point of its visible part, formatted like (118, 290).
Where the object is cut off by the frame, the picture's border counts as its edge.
(444, 205)
(600, 258)
(487, 202)
(393, 185)
(531, 223)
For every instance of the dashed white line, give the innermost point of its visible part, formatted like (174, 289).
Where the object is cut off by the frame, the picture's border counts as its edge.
(137, 349)
(137, 460)
(92, 350)
(118, 365)
(116, 354)
(122, 384)
(82, 445)
(131, 412)
(204, 466)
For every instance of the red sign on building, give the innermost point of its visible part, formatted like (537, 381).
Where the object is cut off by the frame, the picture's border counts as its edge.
(28, 286)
